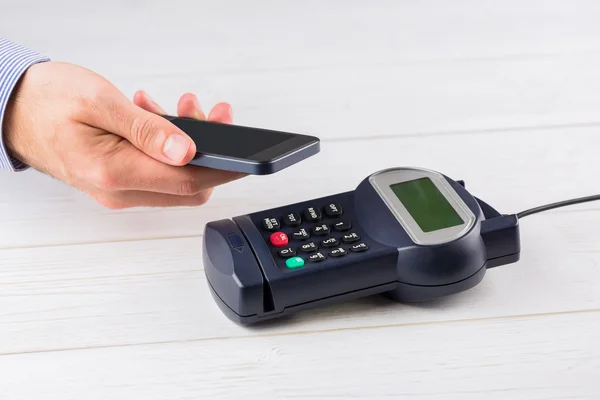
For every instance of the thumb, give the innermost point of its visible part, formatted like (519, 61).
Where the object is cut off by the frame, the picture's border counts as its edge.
(149, 132)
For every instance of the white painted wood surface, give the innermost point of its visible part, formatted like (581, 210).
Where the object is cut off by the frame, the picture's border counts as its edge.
(102, 304)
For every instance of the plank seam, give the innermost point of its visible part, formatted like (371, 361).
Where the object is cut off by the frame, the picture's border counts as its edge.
(319, 331)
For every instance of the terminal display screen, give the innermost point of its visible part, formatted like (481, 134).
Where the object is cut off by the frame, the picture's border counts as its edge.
(426, 204)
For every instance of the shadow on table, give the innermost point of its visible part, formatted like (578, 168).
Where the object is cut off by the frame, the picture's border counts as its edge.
(378, 304)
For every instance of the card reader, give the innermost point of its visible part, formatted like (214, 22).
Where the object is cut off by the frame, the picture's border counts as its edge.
(411, 234)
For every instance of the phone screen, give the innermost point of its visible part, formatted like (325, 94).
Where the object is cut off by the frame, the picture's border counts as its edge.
(232, 140)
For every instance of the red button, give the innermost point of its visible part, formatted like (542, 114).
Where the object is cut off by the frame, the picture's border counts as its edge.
(279, 239)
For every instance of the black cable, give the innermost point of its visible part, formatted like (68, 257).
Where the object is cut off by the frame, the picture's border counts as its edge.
(557, 204)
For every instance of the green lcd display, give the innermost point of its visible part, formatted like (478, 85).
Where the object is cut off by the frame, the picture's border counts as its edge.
(426, 204)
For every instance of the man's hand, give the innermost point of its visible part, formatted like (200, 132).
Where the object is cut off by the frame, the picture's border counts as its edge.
(74, 125)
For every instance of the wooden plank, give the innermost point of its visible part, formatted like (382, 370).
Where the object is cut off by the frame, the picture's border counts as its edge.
(544, 357)
(179, 36)
(395, 100)
(426, 67)
(115, 294)
(512, 171)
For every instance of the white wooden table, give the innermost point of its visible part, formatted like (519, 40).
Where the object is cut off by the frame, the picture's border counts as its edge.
(101, 304)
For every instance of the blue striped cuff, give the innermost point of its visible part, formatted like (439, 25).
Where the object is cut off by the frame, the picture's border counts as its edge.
(14, 61)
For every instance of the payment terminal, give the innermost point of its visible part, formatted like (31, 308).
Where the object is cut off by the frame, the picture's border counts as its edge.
(412, 234)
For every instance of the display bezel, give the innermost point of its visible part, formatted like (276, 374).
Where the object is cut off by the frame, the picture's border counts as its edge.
(382, 182)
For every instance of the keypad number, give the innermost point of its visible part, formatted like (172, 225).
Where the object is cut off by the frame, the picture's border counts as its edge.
(350, 238)
(321, 230)
(308, 247)
(359, 247)
(330, 242)
(300, 234)
(287, 252)
(342, 226)
(316, 257)
(337, 252)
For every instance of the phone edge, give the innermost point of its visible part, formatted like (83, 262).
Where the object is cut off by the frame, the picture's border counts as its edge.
(257, 167)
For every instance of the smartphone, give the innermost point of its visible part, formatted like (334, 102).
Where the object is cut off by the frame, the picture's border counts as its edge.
(244, 149)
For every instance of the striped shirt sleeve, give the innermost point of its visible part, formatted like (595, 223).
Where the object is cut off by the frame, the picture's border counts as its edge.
(14, 61)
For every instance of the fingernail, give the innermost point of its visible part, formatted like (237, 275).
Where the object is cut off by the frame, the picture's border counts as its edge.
(176, 147)
(156, 105)
(198, 112)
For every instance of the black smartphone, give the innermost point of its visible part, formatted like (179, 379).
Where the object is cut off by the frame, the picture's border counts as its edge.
(244, 149)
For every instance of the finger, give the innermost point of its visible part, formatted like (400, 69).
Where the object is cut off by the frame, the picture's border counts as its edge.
(222, 113)
(150, 133)
(134, 198)
(143, 100)
(129, 169)
(189, 107)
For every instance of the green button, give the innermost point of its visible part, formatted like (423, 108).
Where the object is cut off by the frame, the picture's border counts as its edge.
(294, 262)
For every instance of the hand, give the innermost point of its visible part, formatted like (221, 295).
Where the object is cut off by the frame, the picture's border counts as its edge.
(75, 126)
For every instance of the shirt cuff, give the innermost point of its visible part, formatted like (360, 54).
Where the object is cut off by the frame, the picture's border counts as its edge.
(14, 62)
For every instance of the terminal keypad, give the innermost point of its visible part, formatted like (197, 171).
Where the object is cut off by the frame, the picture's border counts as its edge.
(312, 235)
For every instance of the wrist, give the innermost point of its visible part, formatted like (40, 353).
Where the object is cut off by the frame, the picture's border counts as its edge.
(15, 61)
(10, 133)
